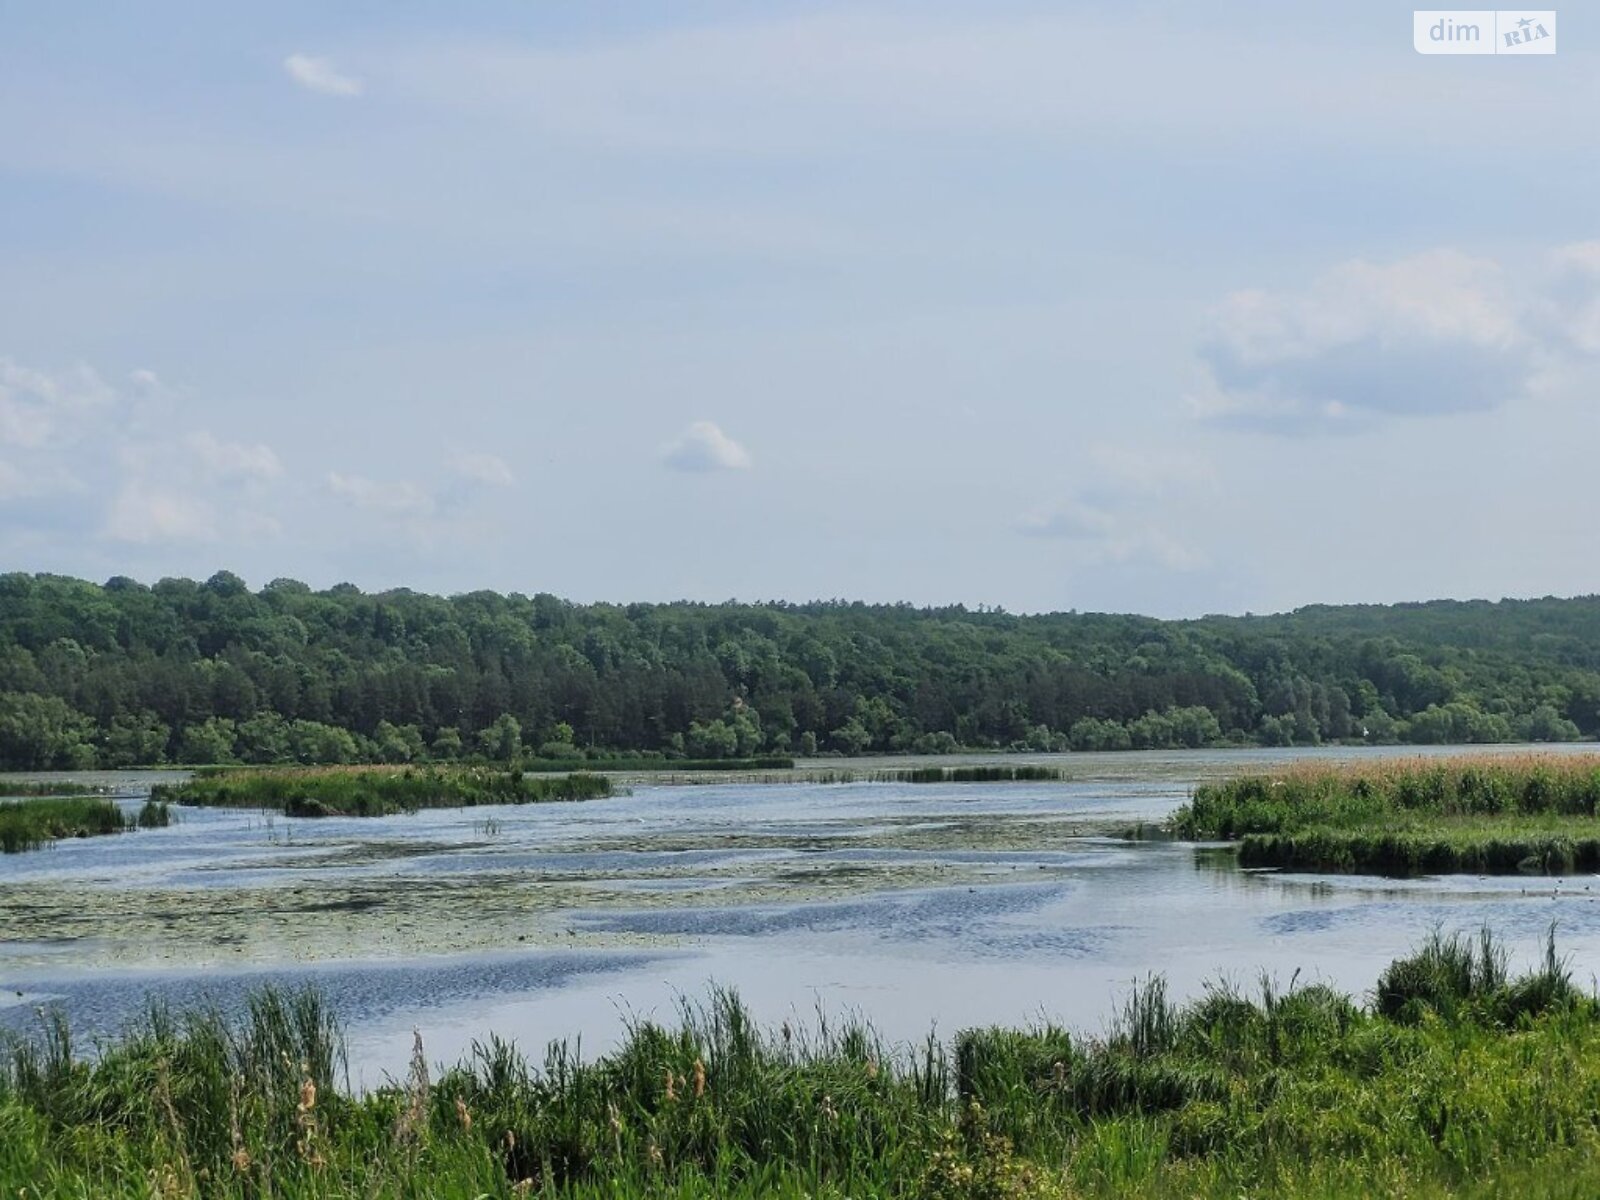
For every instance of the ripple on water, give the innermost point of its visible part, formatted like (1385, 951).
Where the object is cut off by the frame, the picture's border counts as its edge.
(103, 1005)
(971, 921)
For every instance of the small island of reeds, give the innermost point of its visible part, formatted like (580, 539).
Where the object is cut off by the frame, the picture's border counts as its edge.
(33, 823)
(1456, 1078)
(1500, 814)
(376, 791)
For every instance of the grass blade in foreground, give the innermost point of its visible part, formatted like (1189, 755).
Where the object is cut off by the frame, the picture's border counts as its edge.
(1460, 1079)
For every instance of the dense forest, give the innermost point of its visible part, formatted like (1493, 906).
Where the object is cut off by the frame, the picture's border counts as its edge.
(123, 674)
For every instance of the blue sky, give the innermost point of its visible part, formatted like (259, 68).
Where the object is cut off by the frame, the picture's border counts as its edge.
(1162, 307)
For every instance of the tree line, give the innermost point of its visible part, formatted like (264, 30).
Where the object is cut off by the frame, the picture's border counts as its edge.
(123, 674)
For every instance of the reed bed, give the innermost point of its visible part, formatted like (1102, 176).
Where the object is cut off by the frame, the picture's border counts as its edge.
(976, 774)
(31, 824)
(1458, 1077)
(376, 791)
(1487, 815)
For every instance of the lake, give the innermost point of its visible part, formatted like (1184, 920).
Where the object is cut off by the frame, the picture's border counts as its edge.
(919, 906)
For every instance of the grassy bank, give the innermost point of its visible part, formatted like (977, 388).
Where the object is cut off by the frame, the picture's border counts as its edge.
(1456, 1079)
(31, 824)
(376, 791)
(1500, 815)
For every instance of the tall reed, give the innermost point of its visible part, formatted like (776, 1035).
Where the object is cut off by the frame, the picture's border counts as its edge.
(1459, 1073)
(1484, 814)
(29, 824)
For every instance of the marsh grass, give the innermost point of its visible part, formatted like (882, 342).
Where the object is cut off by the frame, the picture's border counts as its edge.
(1456, 975)
(30, 824)
(376, 791)
(1487, 815)
(975, 774)
(1458, 1077)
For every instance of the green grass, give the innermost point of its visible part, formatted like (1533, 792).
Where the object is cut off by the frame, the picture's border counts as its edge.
(30, 824)
(375, 791)
(153, 814)
(1458, 1079)
(978, 774)
(1484, 815)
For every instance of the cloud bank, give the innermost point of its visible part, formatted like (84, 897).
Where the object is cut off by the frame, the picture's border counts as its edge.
(1436, 334)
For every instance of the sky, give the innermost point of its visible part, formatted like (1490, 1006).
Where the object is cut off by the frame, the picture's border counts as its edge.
(1162, 307)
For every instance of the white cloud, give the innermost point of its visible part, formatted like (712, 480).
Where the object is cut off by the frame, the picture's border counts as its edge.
(40, 409)
(145, 513)
(1073, 521)
(1118, 511)
(67, 428)
(194, 489)
(1571, 308)
(396, 500)
(1110, 537)
(1435, 334)
(704, 447)
(487, 469)
(320, 75)
(446, 511)
(232, 462)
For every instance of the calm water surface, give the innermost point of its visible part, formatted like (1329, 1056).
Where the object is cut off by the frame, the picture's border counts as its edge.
(918, 906)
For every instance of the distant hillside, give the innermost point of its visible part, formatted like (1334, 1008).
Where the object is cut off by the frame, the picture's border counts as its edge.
(121, 674)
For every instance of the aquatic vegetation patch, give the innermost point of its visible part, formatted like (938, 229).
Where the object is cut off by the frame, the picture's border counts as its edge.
(1001, 773)
(376, 791)
(1457, 1078)
(30, 824)
(645, 764)
(1528, 813)
(978, 773)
